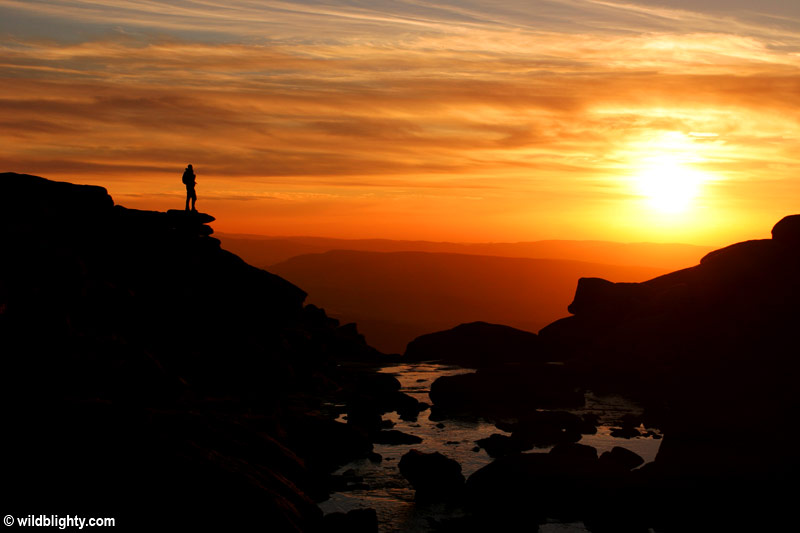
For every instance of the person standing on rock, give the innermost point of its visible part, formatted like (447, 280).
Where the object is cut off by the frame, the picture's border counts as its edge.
(189, 181)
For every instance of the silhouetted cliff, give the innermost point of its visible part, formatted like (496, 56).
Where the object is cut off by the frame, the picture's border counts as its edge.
(712, 350)
(152, 376)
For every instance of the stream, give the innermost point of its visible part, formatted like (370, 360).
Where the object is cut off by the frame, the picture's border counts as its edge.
(384, 489)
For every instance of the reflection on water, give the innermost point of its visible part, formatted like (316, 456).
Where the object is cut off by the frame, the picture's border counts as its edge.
(393, 498)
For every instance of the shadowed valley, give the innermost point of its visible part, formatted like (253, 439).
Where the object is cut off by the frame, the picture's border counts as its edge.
(397, 296)
(398, 290)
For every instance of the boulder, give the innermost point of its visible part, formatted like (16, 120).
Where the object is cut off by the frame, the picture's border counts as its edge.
(787, 230)
(369, 394)
(597, 296)
(477, 344)
(569, 484)
(343, 442)
(460, 393)
(364, 416)
(545, 428)
(625, 433)
(506, 391)
(519, 488)
(408, 407)
(497, 445)
(573, 450)
(621, 458)
(434, 476)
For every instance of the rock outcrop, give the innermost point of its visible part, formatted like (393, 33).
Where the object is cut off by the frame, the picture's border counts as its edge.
(152, 376)
(787, 231)
(709, 348)
(506, 391)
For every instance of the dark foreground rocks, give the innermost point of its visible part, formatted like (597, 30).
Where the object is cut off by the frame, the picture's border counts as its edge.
(497, 445)
(433, 476)
(508, 390)
(355, 521)
(371, 394)
(709, 349)
(151, 376)
(569, 483)
(537, 429)
(621, 458)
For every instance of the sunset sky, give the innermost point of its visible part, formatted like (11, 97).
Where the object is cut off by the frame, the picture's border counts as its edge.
(473, 120)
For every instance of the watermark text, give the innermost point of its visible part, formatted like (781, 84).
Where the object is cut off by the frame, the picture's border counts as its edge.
(59, 521)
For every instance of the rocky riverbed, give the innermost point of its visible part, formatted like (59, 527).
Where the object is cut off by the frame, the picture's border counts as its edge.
(378, 484)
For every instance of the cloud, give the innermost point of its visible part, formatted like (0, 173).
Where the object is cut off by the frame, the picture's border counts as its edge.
(526, 101)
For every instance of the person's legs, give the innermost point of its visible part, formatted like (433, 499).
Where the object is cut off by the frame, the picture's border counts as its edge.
(190, 195)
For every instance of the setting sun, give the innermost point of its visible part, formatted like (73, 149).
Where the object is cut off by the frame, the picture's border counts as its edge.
(443, 121)
(668, 185)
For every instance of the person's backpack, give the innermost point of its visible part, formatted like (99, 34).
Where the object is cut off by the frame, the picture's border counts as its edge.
(188, 177)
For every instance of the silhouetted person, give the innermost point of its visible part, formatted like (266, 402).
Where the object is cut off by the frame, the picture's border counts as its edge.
(189, 181)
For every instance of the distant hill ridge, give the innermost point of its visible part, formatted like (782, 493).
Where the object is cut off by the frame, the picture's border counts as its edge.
(265, 251)
(397, 296)
(397, 290)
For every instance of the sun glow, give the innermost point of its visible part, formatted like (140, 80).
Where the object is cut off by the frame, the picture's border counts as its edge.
(669, 185)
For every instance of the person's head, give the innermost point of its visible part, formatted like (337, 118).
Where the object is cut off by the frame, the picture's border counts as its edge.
(189, 167)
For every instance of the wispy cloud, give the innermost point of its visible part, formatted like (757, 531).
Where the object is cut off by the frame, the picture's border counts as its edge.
(528, 100)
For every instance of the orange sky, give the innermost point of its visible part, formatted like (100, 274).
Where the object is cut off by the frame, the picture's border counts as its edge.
(455, 120)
